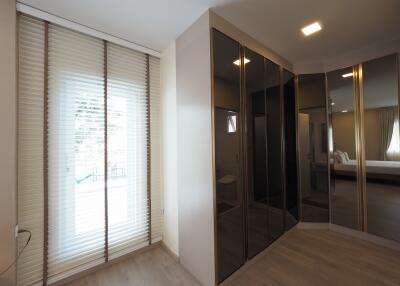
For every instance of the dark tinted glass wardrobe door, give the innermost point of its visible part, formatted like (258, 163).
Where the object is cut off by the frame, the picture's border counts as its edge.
(228, 155)
(343, 159)
(382, 146)
(257, 210)
(292, 210)
(274, 150)
(313, 148)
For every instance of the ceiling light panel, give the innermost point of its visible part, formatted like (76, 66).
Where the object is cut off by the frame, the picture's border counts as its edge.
(311, 29)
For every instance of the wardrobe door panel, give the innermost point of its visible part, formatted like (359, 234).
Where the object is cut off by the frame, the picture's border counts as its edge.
(313, 148)
(289, 115)
(344, 197)
(228, 155)
(257, 211)
(382, 146)
(274, 149)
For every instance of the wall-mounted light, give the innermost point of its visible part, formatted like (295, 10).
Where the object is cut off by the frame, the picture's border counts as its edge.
(311, 29)
(347, 75)
(332, 103)
(237, 62)
(344, 110)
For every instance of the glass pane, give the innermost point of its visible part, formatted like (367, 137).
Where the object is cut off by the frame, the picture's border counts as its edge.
(313, 148)
(229, 193)
(382, 146)
(343, 154)
(292, 212)
(257, 212)
(274, 150)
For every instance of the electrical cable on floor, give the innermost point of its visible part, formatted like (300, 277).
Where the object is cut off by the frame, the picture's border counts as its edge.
(19, 254)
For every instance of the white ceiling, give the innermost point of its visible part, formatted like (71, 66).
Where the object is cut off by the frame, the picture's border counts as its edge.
(347, 24)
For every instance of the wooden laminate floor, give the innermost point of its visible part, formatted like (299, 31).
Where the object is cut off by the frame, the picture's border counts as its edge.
(300, 257)
(153, 267)
(321, 258)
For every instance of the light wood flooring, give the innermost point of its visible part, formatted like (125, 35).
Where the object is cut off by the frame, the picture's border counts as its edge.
(300, 257)
(153, 267)
(321, 257)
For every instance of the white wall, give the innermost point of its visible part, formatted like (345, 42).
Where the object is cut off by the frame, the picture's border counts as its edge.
(8, 138)
(169, 147)
(195, 159)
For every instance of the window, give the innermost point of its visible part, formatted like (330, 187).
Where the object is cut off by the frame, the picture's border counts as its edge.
(88, 151)
(231, 121)
(393, 152)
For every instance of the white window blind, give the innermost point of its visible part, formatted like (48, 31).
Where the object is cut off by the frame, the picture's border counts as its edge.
(76, 149)
(30, 148)
(155, 130)
(128, 134)
(103, 105)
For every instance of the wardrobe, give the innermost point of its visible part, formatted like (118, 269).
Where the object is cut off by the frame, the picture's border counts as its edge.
(255, 170)
(349, 147)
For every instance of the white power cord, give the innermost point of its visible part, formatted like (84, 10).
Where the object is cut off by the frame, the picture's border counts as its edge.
(19, 254)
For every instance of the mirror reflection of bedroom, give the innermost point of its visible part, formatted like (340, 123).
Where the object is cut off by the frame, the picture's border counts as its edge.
(379, 150)
(313, 148)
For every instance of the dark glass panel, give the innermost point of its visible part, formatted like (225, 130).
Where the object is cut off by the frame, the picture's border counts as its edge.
(292, 211)
(382, 146)
(257, 212)
(343, 159)
(274, 150)
(228, 162)
(313, 148)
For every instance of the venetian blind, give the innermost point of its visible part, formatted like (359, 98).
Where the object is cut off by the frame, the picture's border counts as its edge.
(30, 148)
(155, 128)
(76, 148)
(103, 104)
(128, 134)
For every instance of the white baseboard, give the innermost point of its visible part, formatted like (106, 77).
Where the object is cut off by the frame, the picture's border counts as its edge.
(170, 252)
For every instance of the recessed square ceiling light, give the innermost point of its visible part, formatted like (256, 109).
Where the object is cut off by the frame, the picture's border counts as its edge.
(311, 29)
(237, 62)
(347, 75)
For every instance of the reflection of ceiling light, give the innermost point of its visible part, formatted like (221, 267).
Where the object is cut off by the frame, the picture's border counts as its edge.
(237, 62)
(344, 110)
(332, 103)
(311, 29)
(347, 75)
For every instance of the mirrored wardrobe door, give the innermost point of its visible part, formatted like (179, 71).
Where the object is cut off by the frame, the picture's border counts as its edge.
(257, 208)
(313, 148)
(289, 117)
(382, 146)
(228, 162)
(274, 150)
(342, 137)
